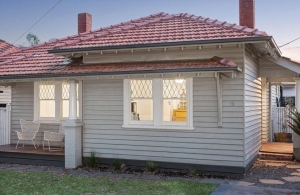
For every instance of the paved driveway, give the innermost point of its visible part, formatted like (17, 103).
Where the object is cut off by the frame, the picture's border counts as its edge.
(226, 189)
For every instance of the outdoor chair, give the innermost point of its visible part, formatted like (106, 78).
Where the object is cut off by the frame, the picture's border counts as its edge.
(29, 131)
(54, 137)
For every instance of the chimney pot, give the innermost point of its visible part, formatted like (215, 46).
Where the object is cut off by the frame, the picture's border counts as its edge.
(84, 22)
(247, 13)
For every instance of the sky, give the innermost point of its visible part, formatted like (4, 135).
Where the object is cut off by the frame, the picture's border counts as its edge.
(279, 18)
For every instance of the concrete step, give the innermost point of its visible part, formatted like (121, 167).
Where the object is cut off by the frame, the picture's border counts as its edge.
(275, 156)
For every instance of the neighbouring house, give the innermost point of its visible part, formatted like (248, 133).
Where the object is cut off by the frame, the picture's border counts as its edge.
(5, 91)
(178, 89)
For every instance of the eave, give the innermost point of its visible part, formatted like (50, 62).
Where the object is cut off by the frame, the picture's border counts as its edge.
(165, 44)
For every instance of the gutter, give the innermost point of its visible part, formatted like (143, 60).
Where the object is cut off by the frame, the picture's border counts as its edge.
(165, 44)
(236, 68)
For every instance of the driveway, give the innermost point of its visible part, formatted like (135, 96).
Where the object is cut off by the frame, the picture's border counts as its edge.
(226, 189)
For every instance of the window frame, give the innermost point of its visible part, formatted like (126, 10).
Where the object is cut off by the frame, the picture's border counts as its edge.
(157, 96)
(58, 103)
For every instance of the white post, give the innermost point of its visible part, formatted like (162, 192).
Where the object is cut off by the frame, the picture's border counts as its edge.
(73, 132)
(296, 138)
(297, 94)
(73, 100)
(220, 99)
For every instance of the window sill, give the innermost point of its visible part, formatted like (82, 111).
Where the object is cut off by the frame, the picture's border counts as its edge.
(158, 127)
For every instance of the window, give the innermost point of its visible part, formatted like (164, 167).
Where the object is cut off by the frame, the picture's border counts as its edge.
(158, 103)
(52, 100)
(141, 100)
(47, 99)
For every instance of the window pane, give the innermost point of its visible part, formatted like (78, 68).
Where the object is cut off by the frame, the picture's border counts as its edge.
(174, 100)
(141, 88)
(47, 108)
(47, 96)
(141, 100)
(65, 108)
(65, 91)
(65, 99)
(142, 110)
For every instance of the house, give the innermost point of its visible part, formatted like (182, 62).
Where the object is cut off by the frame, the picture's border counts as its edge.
(5, 91)
(182, 90)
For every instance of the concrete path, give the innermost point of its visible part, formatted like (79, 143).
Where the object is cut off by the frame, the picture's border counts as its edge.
(227, 189)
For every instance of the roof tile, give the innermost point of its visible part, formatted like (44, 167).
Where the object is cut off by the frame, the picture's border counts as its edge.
(156, 28)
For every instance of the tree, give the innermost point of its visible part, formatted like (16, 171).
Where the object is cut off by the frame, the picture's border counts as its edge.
(32, 39)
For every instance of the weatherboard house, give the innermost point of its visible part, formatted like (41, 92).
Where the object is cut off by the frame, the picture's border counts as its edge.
(5, 91)
(181, 90)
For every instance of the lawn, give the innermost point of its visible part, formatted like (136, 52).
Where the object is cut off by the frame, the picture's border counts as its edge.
(16, 182)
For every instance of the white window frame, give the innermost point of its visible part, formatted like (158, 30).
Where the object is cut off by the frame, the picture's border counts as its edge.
(58, 103)
(157, 96)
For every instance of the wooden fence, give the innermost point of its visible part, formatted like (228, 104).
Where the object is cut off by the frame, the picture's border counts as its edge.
(5, 124)
(280, 120)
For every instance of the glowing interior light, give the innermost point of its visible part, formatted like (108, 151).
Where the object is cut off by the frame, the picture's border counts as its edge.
(179, 80)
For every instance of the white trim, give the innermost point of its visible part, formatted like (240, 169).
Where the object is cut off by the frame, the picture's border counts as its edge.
(36, 105)
(58, 100)
(157, 101)
(80, 100)
(126, 100)
(190, 100)
(220, 99)
(158, 123)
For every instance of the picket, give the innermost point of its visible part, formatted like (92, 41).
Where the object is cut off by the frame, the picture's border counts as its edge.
(5, 123)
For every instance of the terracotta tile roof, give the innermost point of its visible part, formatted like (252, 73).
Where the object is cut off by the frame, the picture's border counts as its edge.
(159, 28)
(155, 28)
(75, 67)
(6, 47)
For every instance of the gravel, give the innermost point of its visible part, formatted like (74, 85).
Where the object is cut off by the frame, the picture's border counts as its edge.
(261, 171)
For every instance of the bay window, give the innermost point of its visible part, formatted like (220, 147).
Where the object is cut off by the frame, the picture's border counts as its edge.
(159, 103)
(52, 100)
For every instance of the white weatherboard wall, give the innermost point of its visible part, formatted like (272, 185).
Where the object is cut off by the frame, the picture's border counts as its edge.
(208, 144)
(253, 107)
(22, 108)
(266, 136)
(5, 97)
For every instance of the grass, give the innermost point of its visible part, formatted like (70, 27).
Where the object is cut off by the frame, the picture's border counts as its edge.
(16, 182)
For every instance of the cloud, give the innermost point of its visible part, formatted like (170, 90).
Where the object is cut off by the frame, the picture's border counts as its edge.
(291, 52)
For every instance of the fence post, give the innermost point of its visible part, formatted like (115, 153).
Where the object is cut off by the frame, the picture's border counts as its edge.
(8, 123)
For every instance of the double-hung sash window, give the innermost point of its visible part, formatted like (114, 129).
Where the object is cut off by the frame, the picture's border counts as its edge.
(141, 101)
(46, 99)
(52, 100)
(159, 103)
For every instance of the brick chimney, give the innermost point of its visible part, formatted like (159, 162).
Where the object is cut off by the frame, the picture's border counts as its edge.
(247, 13)
(84, 22)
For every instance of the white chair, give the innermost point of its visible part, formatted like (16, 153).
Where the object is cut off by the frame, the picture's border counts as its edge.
(29, 131)
(54, 137)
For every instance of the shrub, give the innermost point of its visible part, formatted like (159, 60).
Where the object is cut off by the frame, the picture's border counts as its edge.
(92, 160)
(151, 166)
(193, 172)
(118, 164)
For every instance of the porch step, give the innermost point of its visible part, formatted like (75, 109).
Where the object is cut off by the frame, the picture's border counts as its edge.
(275, 156)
